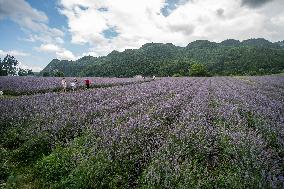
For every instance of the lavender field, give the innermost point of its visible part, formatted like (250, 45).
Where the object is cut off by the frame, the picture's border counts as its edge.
(31, 85)
(218, 132)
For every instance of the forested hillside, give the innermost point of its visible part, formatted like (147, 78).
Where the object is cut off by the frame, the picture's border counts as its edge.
(230, 57)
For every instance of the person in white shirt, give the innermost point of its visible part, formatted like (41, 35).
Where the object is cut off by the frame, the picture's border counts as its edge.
(64, 84)
(73, 84)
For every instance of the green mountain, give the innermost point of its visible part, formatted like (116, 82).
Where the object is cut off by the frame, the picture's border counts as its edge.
(230, 57)
(280, 43)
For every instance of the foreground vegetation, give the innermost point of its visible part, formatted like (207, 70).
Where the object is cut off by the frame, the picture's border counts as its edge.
(218, 132)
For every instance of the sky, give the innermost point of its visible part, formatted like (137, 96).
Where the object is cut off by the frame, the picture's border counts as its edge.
(37, 31)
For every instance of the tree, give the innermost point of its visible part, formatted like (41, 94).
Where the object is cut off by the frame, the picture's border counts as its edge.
(22, 72)
(25, 72)
(45, 74)
(198, 70)
(8, 65)
(30, 72)
(58, 74)
(2, 72)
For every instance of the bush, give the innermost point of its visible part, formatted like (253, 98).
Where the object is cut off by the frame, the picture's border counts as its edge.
(52, 168)
(100, 171)
(198, 70)
(4, 168)
(45, 74)
(59, 74)
(12, 138)
(32, 149)
(177, 75)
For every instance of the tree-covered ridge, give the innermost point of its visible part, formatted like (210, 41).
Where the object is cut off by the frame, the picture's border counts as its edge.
(230, 57)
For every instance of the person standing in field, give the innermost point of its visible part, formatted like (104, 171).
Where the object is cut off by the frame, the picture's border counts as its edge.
(73, 84)
(64, 84)
(87, 83)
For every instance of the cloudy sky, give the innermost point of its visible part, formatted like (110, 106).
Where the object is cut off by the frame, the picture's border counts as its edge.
(36, 31)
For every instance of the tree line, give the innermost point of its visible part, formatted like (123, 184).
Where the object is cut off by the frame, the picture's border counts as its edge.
(199, 58)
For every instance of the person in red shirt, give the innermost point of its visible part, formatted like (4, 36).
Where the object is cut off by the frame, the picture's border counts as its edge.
(87, 83)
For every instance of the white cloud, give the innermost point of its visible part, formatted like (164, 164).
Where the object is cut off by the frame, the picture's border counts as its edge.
(65, 55)
(278, 20)
(43, 38)
(13, 53)
(60, 52)
(49, 48)
(21, 12)
(30, 20)
(138, 22)
(31, 67)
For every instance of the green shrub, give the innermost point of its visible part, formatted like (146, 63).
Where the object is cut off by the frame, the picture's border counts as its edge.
(12, 138)
(32, 149)
(54, 167)
(198, 70)
(177, 75)
(100, 172)
(4, 168)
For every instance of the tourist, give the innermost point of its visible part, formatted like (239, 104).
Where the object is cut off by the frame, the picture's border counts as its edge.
(87, 83)
(73, 84)
(64, 84)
